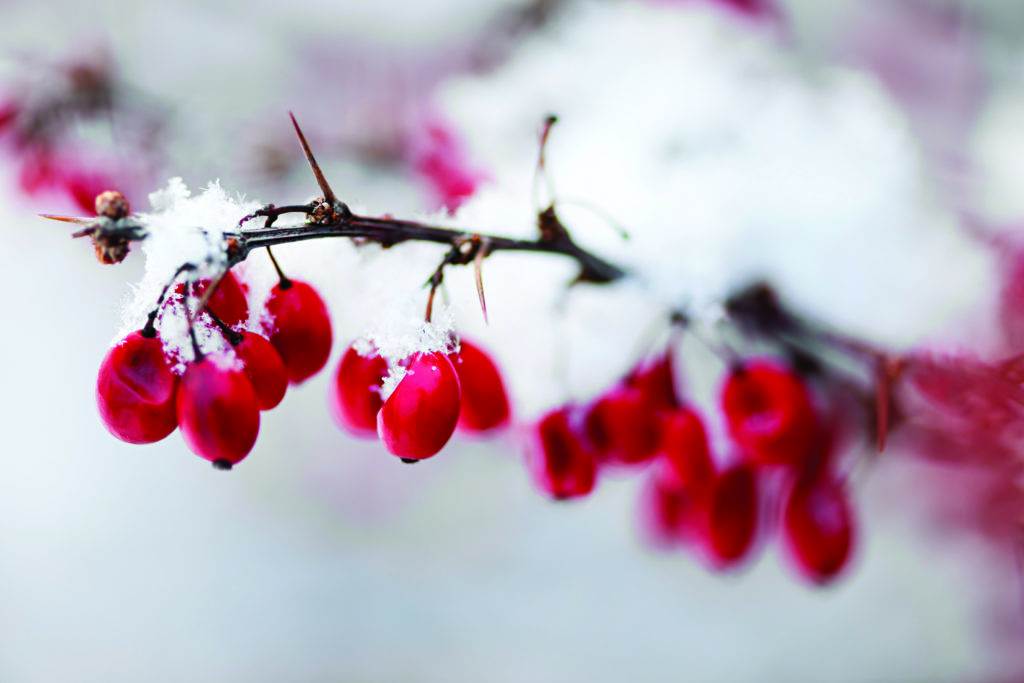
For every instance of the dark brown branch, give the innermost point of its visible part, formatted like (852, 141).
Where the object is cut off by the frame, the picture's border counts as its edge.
(391, 231)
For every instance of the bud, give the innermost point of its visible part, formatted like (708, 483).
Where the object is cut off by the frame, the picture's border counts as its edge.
(112, 204)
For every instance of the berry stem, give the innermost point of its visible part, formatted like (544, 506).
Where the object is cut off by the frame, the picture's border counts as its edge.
(149, 330)
(234, 338)
(283, 281)
(196, 351)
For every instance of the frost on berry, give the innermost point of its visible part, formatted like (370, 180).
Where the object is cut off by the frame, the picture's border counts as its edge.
(419, 417)
(182, 228)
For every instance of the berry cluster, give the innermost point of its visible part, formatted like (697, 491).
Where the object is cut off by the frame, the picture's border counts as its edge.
(715, 506)
(218, 397)
(783, 416)
(437, 393)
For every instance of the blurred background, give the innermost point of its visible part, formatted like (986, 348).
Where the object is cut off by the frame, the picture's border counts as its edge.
(863, 155)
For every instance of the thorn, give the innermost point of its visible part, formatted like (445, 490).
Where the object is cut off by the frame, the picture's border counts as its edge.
(540, 172)
(315, 167)
(886, 371)
(478, 274)
(84, 232)
(66, 219)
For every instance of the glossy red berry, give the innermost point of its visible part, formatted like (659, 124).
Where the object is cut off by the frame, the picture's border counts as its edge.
(135, 390)
(655, 379)
(420, 415)
(301, 329)
(732, 515)
(818, 527)
(559, 459)
(264, 368)
(218, 412)
(769, 413)
(623, 427)
(355, 393)
(684, 447)
(485, 404)
(228, 302)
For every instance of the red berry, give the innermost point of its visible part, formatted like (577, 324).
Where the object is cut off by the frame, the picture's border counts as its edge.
(559, 460)
(228, 303)
(264, 368)
(485, 403)
(355, 394)
(732, 515)
(670, 513)
(9, 111)
(419, 416)
(135, 390)
(301, 331)
(684, 446)
(655, 379)
(769, 413)
(82, 185)
(218, 412)
(818, 527)
(623, 427)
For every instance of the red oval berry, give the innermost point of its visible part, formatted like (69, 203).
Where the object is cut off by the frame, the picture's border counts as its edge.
(684, 446)
(769, 413)
(818, 527)
(623, 427)
(355, 394)
(301, 329)
(732, 515)
(420, 415)
(670, 512)
(559, 459)
(228, 302)
(264, 368)
(485, 403)
(9, 112)
(218, 412)
(656, 380)
(135, 390)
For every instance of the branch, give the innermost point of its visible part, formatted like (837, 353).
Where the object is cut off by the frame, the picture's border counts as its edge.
(391, 231)
(113, 230)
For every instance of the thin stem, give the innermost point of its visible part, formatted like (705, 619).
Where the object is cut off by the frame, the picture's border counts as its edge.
(196, 351)
(234, 338)
(149, 330)
(284, 282)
